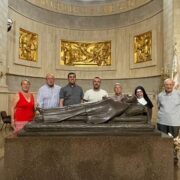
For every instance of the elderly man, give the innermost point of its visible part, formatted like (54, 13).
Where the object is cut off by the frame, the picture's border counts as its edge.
(95, 94)
(169, 109)
(118, 96)
(48, 94)
(72, 93)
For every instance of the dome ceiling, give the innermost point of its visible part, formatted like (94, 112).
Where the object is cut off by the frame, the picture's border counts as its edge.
(89, 7)
(53, 14)
(88, 2)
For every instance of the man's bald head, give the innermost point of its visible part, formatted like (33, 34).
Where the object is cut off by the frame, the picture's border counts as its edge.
(50, 79)
(168, 85)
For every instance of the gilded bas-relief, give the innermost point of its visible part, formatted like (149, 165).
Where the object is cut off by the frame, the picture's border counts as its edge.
(85, 54)
(143, 47)
(28, 45)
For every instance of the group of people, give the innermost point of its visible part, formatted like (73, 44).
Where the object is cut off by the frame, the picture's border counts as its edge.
(51, 95)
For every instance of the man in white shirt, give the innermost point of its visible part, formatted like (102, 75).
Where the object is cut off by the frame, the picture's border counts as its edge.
(48, 94)
(95, 94)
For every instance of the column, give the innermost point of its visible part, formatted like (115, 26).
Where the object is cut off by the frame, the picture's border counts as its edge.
(3, 55)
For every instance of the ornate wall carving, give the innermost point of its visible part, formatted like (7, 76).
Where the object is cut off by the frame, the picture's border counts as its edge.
(28, 45)
(143, 47)
(85, 54)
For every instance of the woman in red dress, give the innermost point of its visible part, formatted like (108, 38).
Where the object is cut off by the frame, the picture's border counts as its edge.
(22, 107)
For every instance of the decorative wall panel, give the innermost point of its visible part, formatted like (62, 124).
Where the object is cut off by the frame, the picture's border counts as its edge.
(28, 45)
(85, 53)
(143, 47)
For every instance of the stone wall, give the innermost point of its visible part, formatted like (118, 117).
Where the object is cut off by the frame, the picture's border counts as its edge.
(89, 8)
(3, 55)
(120, 28)
(119, 32)
(177, 26)
(168, 27)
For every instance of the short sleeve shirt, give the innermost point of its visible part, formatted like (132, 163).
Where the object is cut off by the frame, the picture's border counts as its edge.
(169, 112)
(92, 95)
(71, 94)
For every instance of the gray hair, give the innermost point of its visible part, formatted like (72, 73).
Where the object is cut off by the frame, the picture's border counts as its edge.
(117, 84)
(49, 74)
(167, 80)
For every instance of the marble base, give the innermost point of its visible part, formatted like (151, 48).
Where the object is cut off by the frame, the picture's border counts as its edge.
(89, 157)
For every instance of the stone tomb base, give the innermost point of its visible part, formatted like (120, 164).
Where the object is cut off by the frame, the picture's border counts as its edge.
(89, 157)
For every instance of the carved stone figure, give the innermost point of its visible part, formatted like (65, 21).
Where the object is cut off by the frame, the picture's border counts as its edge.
(95, 113)
(99, 117)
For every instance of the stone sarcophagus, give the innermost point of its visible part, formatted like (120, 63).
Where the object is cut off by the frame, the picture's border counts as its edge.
(104, 140)
(99, 117)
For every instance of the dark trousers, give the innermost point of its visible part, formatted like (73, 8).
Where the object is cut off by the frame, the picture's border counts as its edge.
(174, 130)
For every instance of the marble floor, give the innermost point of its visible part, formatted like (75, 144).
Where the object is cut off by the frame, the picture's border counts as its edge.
(7, 131)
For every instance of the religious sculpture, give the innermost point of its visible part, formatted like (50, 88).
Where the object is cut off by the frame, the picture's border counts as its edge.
(99, 117)
(95, 113)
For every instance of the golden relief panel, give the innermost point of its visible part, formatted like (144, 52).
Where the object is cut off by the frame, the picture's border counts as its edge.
(28, 45)
(143, 47)
(85, 54)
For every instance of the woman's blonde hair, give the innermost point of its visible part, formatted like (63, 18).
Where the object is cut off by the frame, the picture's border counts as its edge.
(26, 81)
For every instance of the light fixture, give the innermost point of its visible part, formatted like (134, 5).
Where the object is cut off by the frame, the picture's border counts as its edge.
(9, 24)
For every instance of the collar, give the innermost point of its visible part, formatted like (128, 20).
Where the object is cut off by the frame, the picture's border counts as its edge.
(74, 85)
(96, 90)
(49, 86)
(167, 94)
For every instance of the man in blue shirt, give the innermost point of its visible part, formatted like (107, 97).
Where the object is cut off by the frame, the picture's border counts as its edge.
(71, 93)
(48, 94)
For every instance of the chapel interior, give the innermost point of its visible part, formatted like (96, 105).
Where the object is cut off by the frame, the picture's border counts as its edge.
(131, 42)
